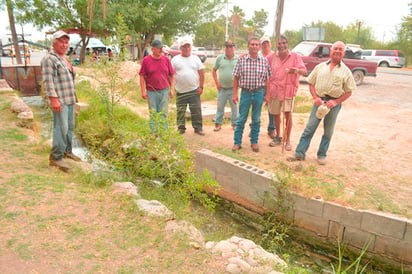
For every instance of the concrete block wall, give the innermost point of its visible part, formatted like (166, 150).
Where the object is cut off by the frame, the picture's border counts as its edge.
(389, 237)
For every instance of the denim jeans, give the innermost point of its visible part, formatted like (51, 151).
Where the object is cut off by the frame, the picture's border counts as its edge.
(225, 94)
(63, 126)
(247, 100)
(271, 125)
(191, 98)
(328, 126)
(159, 108)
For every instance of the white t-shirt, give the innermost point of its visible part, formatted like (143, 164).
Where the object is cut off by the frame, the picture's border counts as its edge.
(187, 72)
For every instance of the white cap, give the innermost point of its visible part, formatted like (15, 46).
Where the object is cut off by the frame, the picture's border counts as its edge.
(322, 111)
(185, 41)
(264, 39)
(58, 34)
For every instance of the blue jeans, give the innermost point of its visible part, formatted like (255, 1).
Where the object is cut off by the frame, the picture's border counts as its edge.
(328, 126)
(191, 98)
(271, 125)
(159, 108)
(63, 126)
(247, 100)
(225, 94)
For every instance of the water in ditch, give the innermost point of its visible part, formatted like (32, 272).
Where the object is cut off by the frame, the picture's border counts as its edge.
(308, 258)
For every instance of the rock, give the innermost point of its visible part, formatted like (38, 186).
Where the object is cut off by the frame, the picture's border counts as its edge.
(186, 229)
(154, 208)
(126, 187)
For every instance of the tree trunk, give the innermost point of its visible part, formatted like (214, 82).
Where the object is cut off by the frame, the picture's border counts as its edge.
(13, 31)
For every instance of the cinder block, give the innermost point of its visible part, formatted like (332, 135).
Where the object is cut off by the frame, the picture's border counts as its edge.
(312, 223)
(358, 238)
(408, 233)
(344, 215)
(308, 205)
(383, 224)
(394, 248)
(336, 231)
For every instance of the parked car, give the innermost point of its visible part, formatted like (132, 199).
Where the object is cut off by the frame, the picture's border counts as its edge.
(94, 43)
(175, 50)
(313, 53)
(385, 58)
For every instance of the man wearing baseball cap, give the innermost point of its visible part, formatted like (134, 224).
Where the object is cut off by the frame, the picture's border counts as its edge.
(58, 83)
(224, 83)
(157, 80)
(190, 78)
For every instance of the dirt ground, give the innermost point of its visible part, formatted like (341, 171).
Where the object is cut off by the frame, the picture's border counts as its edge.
(370, 157)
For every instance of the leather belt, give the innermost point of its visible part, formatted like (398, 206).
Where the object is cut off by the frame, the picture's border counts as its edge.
(253, 89)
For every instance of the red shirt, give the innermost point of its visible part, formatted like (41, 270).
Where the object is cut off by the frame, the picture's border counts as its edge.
(156, 72)
(284, 85)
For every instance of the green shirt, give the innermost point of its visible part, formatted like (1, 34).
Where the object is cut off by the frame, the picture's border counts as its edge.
(225, 67)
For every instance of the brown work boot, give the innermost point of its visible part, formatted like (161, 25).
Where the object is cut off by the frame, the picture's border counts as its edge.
(60, 164)
(70, 155)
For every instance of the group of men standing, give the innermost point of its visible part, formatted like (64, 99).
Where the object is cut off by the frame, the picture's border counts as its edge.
(261, 75)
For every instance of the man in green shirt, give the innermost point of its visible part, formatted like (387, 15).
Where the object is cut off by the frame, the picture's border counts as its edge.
(224, 84)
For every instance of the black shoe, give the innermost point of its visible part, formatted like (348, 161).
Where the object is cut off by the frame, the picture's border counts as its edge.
(182, 131)
(200, 132)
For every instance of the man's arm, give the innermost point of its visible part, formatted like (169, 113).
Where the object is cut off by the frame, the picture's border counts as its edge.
(143, 86)
(215, 78)
(172, 85)
(201, 81)
(235, 98)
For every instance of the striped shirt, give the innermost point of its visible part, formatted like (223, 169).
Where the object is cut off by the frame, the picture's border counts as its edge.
(331, 83)
(252, 73)
(58, 80)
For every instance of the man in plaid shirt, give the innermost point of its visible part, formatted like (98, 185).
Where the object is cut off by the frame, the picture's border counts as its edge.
(58, 83)
(251, 75)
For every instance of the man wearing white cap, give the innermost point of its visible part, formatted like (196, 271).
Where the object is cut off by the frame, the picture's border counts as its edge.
(58, 83)
(190, 78)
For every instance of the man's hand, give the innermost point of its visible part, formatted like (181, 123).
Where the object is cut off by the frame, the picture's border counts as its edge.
(55, 104)
(318, 101)
(331, 104)
(235, 98)
(144, 94)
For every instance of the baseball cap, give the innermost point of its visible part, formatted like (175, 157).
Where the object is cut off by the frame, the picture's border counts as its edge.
(264, 39)
(58, 34)
(185, 41)
(157, 44)
(229, 43)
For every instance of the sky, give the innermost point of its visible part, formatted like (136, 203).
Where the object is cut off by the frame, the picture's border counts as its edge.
(384, 17)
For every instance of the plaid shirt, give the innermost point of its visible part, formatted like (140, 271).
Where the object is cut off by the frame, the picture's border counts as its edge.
(252, 73)
(58, 80)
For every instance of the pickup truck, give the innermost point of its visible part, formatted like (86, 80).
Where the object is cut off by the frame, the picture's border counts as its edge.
(313, 53)
(175, 50)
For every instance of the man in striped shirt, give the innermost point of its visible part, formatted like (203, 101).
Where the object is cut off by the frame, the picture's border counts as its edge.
(251, 75)
(58, 83)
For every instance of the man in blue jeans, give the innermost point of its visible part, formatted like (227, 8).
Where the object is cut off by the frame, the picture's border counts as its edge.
(58, 83)
(157, 81)
(330, 83)
(224, 83)
(251, 74)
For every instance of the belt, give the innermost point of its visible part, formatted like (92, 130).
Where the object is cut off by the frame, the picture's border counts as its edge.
(252, 89)
(327, 98)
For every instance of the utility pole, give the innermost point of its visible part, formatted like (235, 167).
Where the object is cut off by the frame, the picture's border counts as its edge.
(227, 21)
(359, 23)
(278, 20)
